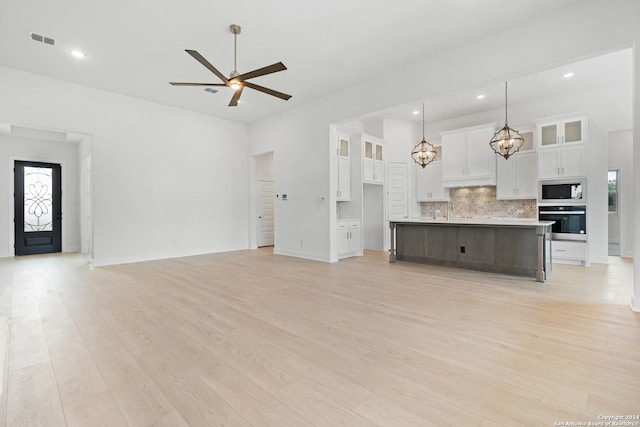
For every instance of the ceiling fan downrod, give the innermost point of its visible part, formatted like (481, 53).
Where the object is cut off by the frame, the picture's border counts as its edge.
(235, 30)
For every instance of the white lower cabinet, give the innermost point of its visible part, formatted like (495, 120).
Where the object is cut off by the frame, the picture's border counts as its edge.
(570, 252)
(349, 238)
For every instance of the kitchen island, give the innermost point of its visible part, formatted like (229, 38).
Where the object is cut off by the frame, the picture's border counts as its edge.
(517, 247)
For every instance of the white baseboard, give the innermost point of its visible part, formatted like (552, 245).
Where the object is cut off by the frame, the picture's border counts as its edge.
(568, 261)
(4, 339)
(103, 262)
(635, 303)
(304, 255)
(599, 260)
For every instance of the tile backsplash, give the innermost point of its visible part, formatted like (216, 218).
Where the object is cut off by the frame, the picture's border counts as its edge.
(479, 202)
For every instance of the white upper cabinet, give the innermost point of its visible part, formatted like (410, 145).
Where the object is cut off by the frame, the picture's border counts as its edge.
(429, 186)
(429, 183)
(566, 131)
(517, 177)
(467, 158)
(343, 193)
(562, 147)
(373, 161)
(563, 162)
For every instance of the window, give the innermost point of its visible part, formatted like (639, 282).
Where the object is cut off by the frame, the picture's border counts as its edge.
(613, 191)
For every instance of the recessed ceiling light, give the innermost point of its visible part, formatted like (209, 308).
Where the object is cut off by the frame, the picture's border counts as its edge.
(416, 112)
(481, 96)
(567, 75)
(77, 53)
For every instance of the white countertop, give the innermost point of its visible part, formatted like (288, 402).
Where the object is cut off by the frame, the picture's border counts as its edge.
(478, 221)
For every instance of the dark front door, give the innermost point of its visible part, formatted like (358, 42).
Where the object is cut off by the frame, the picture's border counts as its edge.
(38, 211)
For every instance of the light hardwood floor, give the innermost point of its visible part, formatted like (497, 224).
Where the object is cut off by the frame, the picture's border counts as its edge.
(251, 338)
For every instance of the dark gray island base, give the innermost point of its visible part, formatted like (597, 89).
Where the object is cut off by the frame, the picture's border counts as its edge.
(517, 247)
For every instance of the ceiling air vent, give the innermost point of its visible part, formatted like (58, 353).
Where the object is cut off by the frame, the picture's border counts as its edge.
(211, 90)
(42, 39)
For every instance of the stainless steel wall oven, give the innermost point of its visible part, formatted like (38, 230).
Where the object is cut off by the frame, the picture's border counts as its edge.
(570, 221)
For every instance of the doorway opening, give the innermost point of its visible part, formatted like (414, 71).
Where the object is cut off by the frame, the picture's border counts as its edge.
(614, 213)
(37, 150)
(265, 200)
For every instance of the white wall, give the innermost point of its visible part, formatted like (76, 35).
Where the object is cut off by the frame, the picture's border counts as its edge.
(621, 158)
(597, 195)
(302, 133)
(166, 182)
(301, 146)
(22, 148)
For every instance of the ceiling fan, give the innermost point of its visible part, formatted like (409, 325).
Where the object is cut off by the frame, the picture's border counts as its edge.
(236, 80)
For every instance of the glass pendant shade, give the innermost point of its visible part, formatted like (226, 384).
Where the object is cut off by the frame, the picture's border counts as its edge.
(424, 152)
(506, 141)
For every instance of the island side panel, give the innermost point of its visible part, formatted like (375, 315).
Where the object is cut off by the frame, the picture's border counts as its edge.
(517, 251)
(490, 248)
(477, 247)
(433, 244)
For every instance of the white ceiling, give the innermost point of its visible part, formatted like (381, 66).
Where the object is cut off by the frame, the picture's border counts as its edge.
(607, 76)
(136, 47)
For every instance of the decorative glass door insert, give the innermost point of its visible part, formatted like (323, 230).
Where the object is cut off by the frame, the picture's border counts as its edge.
(38, 214)
(38, 199)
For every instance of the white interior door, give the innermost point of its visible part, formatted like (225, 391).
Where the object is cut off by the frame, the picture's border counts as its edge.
(265, 213)
(397, 186)
(397, 190)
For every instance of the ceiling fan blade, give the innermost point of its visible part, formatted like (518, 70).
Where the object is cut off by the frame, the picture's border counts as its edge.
(273, 68)
(196, 84)
(206, 63)
(236, 97)
(267, 90)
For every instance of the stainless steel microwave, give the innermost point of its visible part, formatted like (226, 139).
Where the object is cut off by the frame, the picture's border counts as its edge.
(562, 191)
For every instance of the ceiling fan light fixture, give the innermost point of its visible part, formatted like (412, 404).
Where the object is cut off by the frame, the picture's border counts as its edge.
(237, 81)
(507, 141)
(424, 152)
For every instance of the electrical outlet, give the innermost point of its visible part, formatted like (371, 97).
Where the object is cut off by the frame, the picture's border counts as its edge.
(463, 249)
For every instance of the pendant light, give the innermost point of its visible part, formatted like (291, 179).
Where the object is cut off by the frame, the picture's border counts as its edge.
(424, 152)
(506, 141)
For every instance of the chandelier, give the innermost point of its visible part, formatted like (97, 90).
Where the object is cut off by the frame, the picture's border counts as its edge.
(506, 141)
(424, 152)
